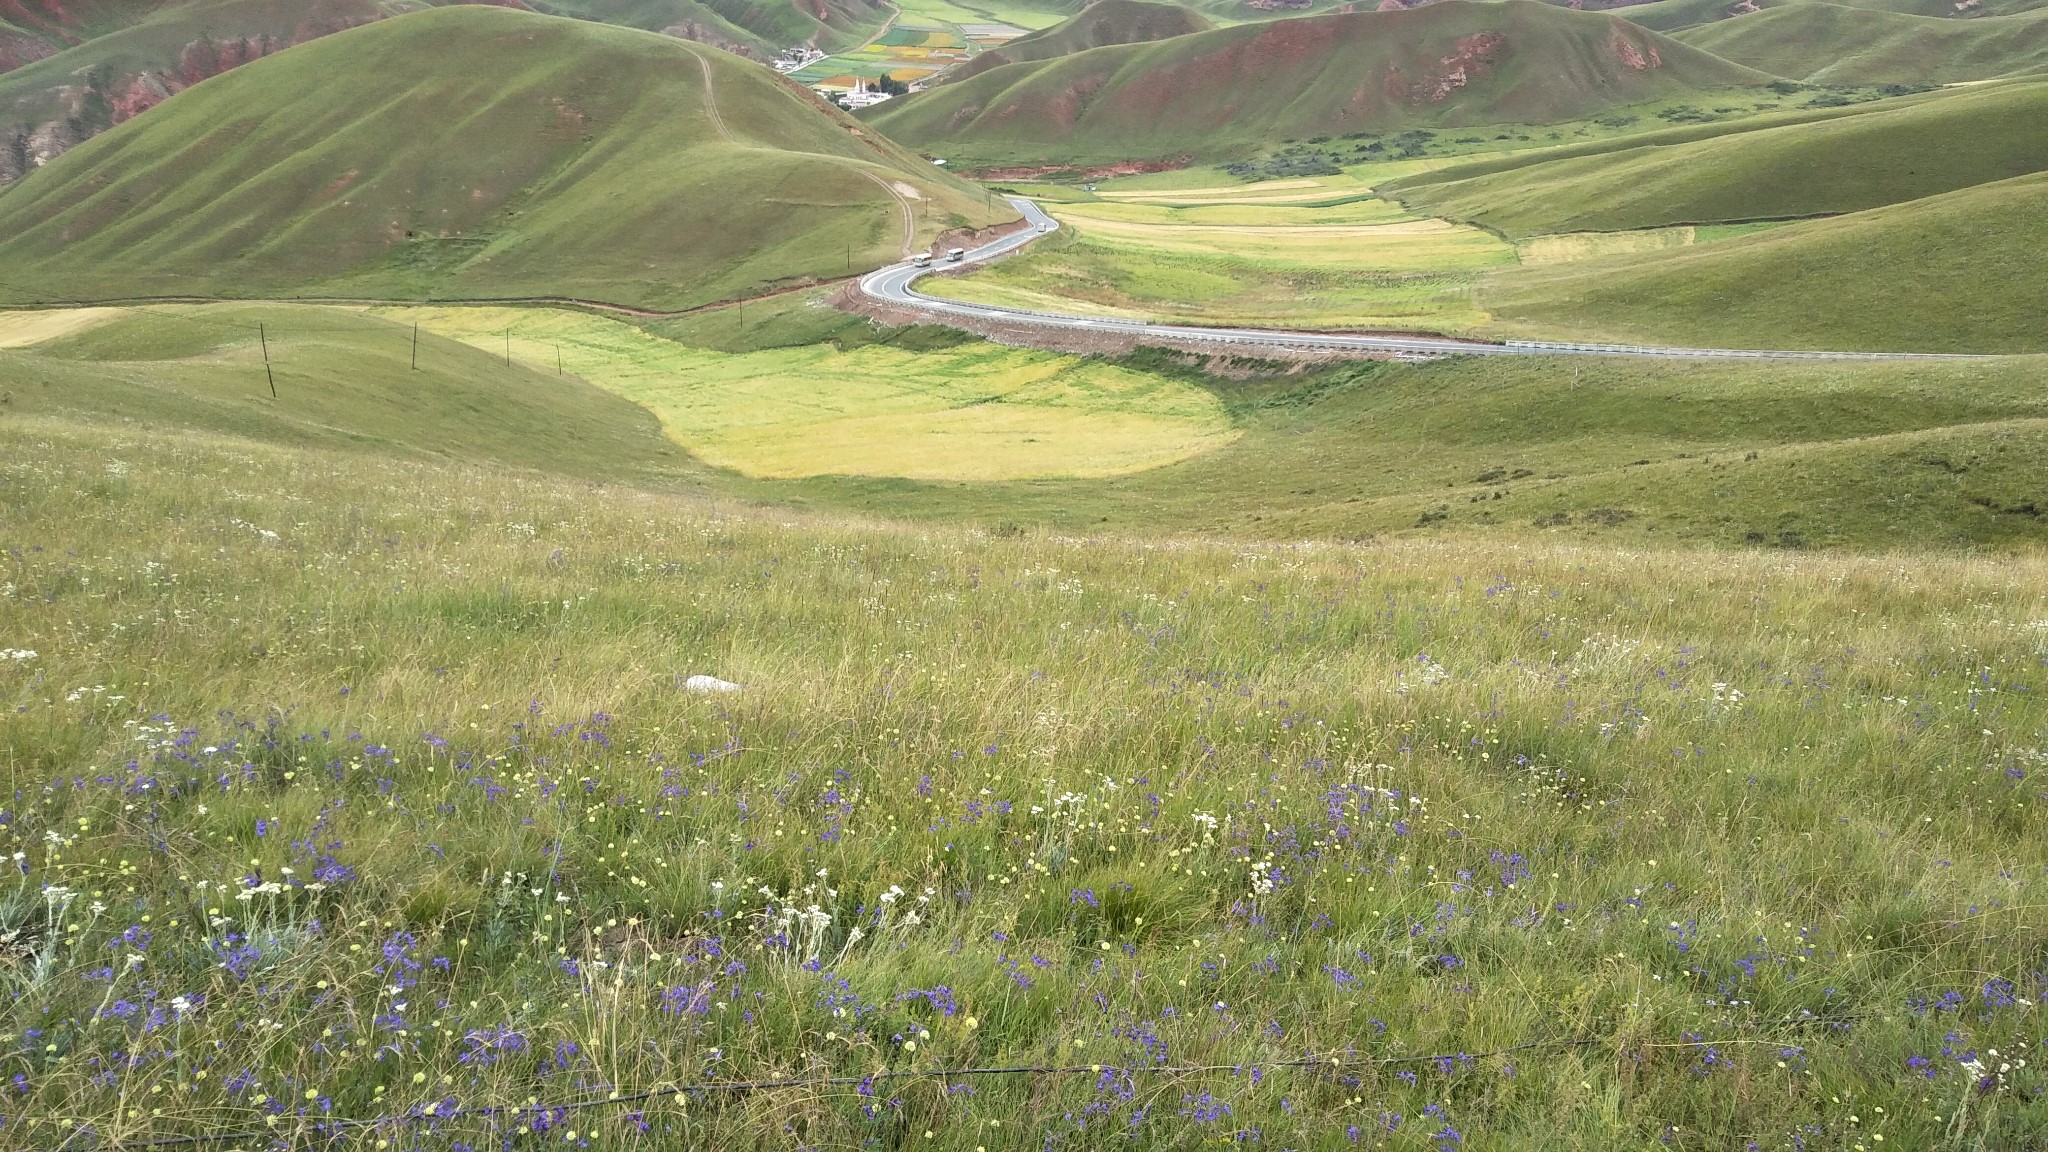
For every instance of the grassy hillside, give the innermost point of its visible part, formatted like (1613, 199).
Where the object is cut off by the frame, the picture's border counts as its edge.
(1883, 156)
(565, 158)
(758, 27)
(1673, 15)
(343, 380)
(1474, 827)
(1831, 44)
(79, 69)
(1228, 92)
(1103, 22)
(118, 70)
(1957, 272)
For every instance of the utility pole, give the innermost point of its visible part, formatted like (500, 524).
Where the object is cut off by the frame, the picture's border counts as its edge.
(264, 338)
(558, 359)
(415, 347)
(508, 347)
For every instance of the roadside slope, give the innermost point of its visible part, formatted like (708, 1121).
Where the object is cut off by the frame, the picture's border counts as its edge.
(1958, 272)
(566, 158)
(1224, 93)
(1884, 156)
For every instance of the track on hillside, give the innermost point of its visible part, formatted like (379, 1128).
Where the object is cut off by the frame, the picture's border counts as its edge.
(892, 285)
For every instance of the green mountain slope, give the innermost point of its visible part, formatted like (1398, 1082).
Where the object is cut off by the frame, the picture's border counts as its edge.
(1847, 164)
(1832, 44)
(1960, 272)
(564, 158)
(1220, 94)
(53, 104)
(1103, 22)
(70, 72)
(757, 28)
(1672, 15)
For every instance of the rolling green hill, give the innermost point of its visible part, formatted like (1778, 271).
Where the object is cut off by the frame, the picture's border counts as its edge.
(757, 28)
(1672, 15)
(1831, 44)
(1847, 164)
(1959, 272)
(1103, 22)
(564, 158)
(343, 379)
(1223, 93)
(68, 73)
(119, 71)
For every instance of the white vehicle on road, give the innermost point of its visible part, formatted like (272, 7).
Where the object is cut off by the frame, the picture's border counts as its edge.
(922, 259)
(955, 255)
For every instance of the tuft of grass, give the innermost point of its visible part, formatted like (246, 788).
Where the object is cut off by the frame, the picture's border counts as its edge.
(349, 793)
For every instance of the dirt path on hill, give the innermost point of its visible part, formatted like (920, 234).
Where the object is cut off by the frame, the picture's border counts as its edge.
(724, 133)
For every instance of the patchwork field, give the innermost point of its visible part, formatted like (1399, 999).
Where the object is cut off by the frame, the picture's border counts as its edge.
(1310, 252)
(970, 412)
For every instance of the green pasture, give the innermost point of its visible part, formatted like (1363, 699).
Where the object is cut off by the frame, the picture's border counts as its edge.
(972, 412)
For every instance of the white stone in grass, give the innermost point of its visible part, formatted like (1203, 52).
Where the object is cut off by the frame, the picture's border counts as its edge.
(709, 685)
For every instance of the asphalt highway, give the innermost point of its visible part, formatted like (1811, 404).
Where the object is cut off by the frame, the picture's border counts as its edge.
(893, 284)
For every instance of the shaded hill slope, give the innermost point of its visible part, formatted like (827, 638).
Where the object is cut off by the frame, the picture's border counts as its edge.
(1832, 44)
(1960, 272)
(1223, 93)
(1103, 22)
(1883, 156)
(566, 158)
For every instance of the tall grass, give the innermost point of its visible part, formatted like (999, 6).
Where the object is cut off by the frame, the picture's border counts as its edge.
(365, 800)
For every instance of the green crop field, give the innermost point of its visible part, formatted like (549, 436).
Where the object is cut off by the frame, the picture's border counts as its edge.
(972, 412)
(585, 161)
(1313, 252)
(1883, 156)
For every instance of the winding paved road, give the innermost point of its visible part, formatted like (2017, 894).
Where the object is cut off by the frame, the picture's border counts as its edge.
(893, 284)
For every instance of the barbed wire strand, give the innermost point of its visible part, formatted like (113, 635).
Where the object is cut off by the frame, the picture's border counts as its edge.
(337, 1127)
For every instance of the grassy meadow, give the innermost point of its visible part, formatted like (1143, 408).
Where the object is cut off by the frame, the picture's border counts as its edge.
(967, 411)
(367, 803)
